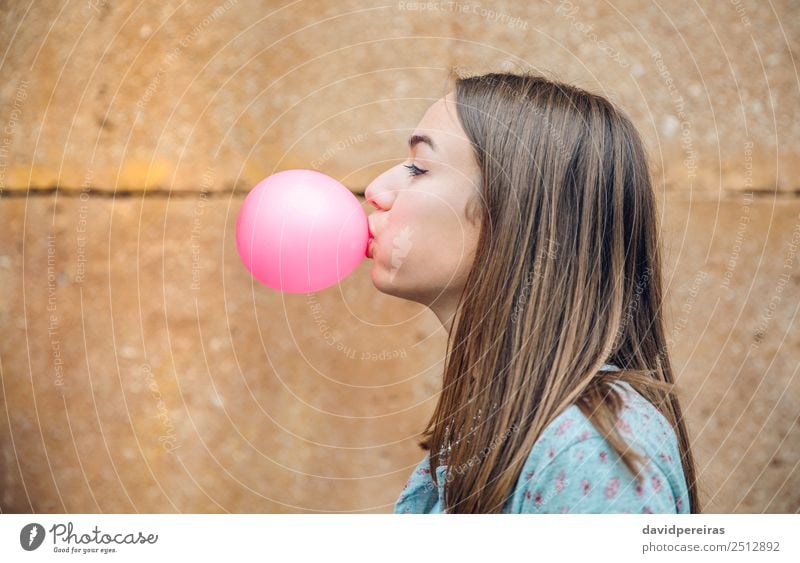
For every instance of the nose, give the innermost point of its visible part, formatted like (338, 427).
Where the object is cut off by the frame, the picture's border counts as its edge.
(378, 194)
(371, 195)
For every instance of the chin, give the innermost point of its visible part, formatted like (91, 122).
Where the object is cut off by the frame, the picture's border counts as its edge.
(384, 283)
(398, 286)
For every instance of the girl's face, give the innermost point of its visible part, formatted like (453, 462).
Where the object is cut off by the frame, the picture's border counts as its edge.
(423, 244)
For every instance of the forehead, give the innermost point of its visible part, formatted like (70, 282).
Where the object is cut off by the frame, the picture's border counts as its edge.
(441, 124)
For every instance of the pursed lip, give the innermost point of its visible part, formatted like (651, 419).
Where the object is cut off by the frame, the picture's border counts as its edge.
(371, 238)
(370, 244)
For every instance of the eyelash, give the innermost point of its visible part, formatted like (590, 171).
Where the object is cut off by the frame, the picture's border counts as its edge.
(414, 170)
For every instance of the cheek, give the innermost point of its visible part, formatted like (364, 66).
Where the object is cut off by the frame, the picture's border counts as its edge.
(456, 251)
(441, 242)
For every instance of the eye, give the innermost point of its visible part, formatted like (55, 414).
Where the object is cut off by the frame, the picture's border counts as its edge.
(414, 170)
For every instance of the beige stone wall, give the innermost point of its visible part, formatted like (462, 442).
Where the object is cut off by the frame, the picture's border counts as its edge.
(143, 370)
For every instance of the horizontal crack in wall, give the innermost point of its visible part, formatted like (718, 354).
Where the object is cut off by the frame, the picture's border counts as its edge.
(8, 193)
(126, 193)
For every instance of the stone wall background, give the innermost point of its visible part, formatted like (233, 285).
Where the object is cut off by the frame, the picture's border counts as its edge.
(143, 370)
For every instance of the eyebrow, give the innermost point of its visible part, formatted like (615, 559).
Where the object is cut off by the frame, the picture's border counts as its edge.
(414, 140)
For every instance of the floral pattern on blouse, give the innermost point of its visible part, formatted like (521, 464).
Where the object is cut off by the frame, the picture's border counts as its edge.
(573, 469)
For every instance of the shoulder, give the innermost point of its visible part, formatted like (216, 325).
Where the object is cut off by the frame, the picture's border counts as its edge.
(573, 468)
(419, 494)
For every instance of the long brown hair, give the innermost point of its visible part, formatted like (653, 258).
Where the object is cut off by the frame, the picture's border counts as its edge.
(566, 277)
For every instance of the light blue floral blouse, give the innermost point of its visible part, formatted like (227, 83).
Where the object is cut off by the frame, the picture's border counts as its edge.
(572, 468)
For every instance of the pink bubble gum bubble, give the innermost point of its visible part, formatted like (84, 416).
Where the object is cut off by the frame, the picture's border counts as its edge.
(300, 231)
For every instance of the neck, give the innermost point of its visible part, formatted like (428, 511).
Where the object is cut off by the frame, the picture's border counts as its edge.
(446, 311)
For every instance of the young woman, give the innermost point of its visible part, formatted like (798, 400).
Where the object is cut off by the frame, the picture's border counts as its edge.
(525, 219)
